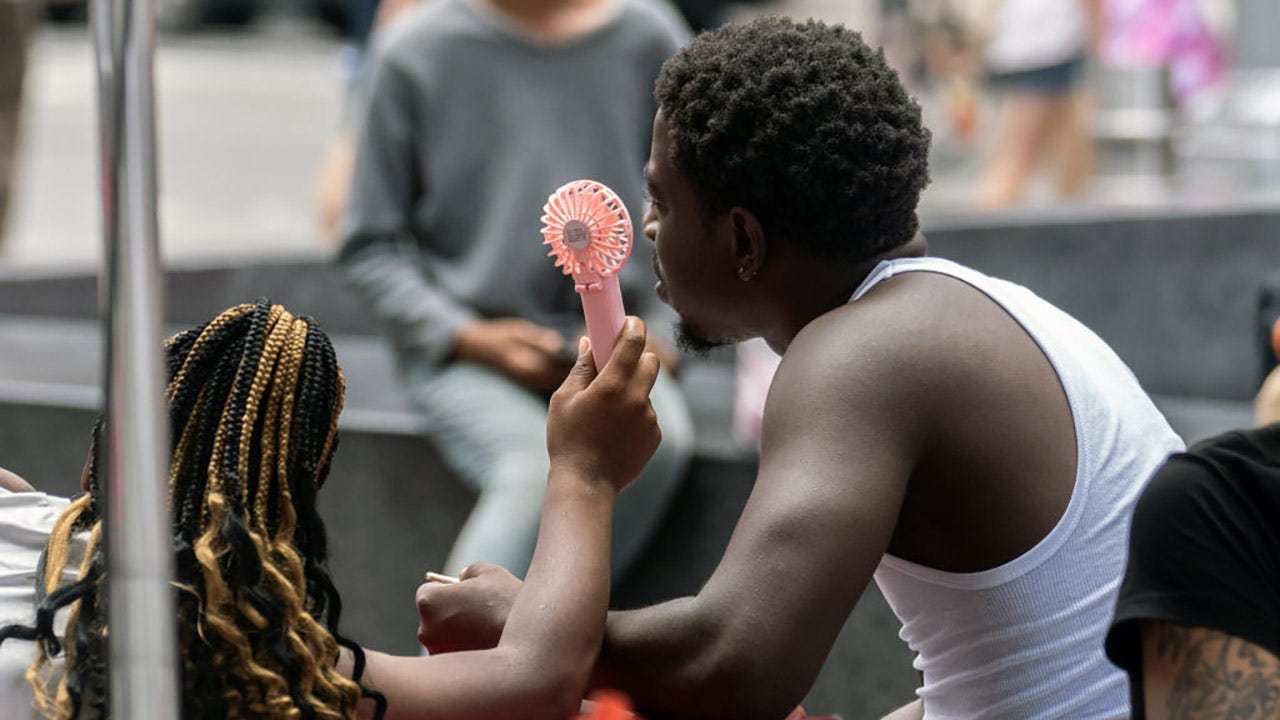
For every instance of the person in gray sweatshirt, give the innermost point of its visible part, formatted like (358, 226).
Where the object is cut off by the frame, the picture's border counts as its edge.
(473, 113)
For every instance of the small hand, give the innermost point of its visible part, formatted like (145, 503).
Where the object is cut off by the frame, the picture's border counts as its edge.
(603, 427)
(523, 351)
(468, 615)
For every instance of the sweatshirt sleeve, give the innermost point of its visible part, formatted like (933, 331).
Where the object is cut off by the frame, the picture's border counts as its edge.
(380, 257)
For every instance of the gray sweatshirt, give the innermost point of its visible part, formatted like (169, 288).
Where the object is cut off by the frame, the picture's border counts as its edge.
(467, 125)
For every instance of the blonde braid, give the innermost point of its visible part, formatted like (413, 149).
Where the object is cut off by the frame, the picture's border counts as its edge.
(286, 452)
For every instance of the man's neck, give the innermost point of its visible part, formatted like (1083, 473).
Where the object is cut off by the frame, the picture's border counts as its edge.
(821, 286)
(555, 20)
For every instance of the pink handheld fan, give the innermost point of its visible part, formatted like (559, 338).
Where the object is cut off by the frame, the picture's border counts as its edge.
(589, 231)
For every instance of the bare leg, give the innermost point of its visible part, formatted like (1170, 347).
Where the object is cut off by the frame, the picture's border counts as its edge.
(1026, 131)
(1075, 146)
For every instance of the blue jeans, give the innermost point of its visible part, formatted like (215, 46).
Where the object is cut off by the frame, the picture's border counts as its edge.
(492, 433)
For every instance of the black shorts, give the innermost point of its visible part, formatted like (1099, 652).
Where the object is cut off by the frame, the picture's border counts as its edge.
(1058, 79)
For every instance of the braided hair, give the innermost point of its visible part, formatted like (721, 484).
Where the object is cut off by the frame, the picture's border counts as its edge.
(254, 397)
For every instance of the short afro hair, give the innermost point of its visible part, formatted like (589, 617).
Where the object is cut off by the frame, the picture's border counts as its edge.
(805, 126)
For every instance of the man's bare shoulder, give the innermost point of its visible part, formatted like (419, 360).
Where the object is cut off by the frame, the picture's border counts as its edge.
(890, 338)
(874, 364)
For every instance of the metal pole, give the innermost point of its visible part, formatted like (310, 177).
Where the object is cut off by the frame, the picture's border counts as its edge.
(142, 637)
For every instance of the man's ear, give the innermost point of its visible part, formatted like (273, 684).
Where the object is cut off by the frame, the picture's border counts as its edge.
(748, 243)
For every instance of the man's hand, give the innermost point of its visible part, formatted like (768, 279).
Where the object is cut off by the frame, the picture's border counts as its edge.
(525, 352)
(469, 615)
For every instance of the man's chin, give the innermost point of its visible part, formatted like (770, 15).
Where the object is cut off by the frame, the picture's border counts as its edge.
(692, 339)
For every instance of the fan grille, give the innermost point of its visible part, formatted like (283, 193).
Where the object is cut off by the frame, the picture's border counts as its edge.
(588, 229)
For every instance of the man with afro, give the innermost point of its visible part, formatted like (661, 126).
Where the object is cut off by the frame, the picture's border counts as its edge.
(962, 442)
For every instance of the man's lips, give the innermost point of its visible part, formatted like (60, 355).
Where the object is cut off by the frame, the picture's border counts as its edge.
(659, 288)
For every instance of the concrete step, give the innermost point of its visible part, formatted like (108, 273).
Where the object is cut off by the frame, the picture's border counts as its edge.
(58, 361)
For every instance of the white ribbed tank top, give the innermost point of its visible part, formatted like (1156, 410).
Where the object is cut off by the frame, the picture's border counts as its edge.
(1023, 641)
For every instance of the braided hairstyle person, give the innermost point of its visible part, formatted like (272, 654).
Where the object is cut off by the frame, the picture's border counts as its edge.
(254, 397)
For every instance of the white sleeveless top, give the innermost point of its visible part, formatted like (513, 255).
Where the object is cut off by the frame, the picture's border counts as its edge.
(1024, 640)
(25, 521)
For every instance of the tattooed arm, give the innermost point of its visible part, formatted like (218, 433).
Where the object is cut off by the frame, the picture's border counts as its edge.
(1194, 673)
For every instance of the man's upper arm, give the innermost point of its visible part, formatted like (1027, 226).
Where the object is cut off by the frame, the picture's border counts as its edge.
(1195, 673)
(1198, 595)
(838, 445)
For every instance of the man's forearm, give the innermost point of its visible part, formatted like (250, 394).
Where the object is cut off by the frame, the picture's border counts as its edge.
(650, 652)
(675, 660)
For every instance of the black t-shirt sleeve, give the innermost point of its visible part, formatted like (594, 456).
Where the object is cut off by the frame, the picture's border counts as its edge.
(1203, 552)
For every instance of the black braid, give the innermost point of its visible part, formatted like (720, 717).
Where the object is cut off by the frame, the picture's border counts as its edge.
(194, 477)
(212, 353)
(239, 399)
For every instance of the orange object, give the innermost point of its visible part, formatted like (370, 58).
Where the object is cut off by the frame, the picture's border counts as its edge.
(1275, 338)
(610, 705)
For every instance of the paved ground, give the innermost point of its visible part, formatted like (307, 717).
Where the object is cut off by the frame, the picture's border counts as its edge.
(242, 120)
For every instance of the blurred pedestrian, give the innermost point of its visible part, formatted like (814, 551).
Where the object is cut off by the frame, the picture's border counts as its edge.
(1172, 34)
(1034, 53)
